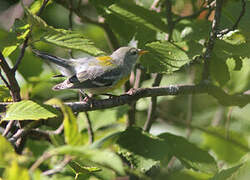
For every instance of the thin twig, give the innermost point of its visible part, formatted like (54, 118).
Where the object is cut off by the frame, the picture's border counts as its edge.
(25, 44)
(4, 81)
(152, 106)
(212, 38)
(8, 128)
(40, 160)
(58, 169)
(90, 129)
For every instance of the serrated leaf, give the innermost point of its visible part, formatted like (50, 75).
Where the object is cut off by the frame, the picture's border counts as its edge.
(164, 57)
(190, 155)
(7, 152)
(141, 149)
(226, 173)
(138, 16)
(71, 40)
(71, 132)
(29, 110)
(228, 145)
(60, 37)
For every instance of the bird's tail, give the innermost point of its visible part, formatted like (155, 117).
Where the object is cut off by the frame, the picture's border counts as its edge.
(57, 60)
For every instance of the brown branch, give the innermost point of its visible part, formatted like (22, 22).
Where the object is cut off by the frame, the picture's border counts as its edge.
(173, 90)
(13, 85)
(212, 38)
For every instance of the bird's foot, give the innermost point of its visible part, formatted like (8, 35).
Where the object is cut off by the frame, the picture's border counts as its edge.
(131, 92)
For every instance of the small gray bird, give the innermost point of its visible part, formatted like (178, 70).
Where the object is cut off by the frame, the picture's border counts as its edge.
(96, 75)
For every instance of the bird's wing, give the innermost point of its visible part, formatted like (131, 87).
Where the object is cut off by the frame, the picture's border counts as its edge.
(95, 79)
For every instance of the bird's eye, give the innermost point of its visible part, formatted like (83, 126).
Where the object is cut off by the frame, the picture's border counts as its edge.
(133, 52)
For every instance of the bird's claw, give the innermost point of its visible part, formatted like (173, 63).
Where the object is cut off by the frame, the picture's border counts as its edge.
(131, 91)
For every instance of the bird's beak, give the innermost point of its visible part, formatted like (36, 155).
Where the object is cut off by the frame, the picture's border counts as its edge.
(141, 52)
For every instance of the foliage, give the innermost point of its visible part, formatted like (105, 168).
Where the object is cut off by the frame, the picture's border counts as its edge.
(193, 137)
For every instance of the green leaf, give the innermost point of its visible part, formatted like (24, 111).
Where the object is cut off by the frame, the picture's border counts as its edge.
(226, 173)
(71, 132)
(138, 16)
(4, 94)
(228, 145)
(29, 60)
(234, 38)
(60, 37)
(15, 172)
(7, 152)
(219, 70)
(71, 40)
(79, 169)
(16, 36)
(187, 174)
(164, 57)
(106, 141)
(29, 110)
(9, 49)
(190, 155)
(141, 149)
(101, 158)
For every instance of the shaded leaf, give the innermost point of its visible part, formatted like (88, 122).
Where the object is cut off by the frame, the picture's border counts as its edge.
(15, 172)
(190, 155)
(226, 173)
(219, 70)
(7, 152)
(5, 94)
(106, 141)
(71, 132)
(141, 149)
(228, 145)
(164, 57)
(138, 16)
(29, 110)
(101, 158)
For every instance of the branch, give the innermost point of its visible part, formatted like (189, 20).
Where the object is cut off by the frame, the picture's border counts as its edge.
(172, 90)
(212, 38)
(12, 82)
(90, 129)
(152, 106)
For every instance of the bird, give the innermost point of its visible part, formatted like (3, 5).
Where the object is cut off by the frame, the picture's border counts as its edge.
(95, 75)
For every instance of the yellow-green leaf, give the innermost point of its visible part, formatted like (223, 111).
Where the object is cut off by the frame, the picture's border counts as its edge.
(29, 110)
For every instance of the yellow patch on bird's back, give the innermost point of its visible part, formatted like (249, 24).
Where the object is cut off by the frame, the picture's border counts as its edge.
(105, 60)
